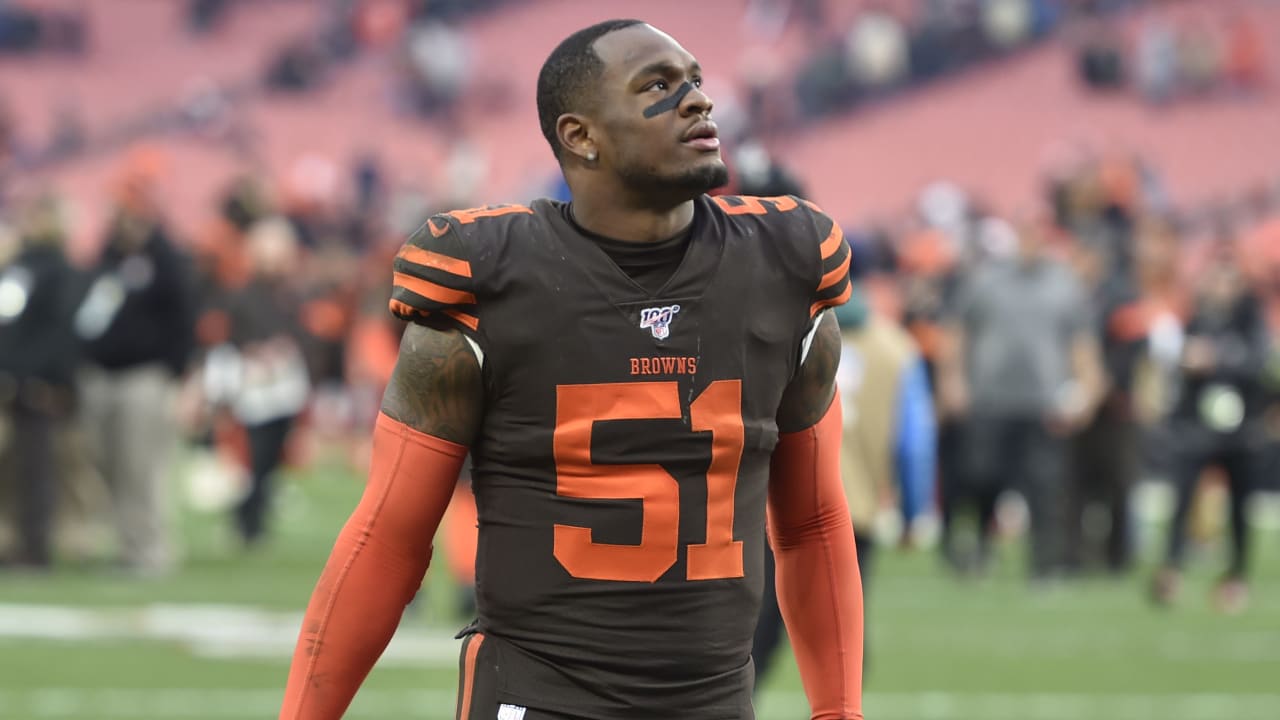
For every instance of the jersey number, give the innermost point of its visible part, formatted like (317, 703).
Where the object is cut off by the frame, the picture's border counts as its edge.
(718, 410)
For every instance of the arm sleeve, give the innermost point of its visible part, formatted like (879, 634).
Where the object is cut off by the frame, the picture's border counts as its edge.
(914, 448)
(819, 588)
(432, 278)
(834, 285)
(375, 569)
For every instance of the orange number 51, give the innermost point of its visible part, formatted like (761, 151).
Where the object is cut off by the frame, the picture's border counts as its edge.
(718, 410)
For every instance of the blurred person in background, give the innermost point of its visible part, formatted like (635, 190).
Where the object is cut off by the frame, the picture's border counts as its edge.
(1023, 371)
(937, 250)
(38, 355)
(271, 380)
(1156, 60)
(436, 67)
(1216, 419)
(1105, 454)
(890, 430)
(1246, 55)
(877, 51)
(137, 325)
(1200, 57)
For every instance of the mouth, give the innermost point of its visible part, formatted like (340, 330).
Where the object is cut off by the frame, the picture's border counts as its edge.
(703, 136)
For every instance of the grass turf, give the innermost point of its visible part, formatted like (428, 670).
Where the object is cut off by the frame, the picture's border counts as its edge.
(939, 648)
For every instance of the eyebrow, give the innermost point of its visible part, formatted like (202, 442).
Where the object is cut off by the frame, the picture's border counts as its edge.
(666, 67)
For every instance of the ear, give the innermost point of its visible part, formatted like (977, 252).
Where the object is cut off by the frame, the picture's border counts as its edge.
(576, 136)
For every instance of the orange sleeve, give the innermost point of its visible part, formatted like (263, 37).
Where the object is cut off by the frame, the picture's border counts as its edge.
(819, 588)
(375, 569)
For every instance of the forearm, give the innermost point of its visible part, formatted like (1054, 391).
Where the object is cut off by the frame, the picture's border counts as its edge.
(819, 589)
(376, 567)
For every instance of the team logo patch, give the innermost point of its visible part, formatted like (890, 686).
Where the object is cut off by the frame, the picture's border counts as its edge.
(511, 712)
(658, 320)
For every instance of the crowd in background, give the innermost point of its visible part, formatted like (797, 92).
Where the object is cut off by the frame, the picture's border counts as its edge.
(1097, 340)
(889, 47)
(1072, 350)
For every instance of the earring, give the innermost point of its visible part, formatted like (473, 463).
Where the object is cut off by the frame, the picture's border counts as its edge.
(591, 156)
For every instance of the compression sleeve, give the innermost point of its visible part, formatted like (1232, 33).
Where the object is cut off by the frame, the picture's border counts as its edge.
(819, 588)
(374, 570)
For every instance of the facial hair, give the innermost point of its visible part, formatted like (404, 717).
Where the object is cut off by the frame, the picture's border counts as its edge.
(681, 186)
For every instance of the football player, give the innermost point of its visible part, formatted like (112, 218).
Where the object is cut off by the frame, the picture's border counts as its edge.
(637, 374)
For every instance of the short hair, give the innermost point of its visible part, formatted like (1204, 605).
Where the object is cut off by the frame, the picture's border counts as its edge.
(569, 75)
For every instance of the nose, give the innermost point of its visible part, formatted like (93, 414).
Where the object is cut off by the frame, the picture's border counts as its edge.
(696, 102)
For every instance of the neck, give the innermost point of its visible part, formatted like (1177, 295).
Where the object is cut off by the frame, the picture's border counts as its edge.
(630, 221)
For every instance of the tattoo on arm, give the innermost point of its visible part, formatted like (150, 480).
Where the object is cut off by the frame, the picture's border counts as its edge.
(436, 386)
(809, 395)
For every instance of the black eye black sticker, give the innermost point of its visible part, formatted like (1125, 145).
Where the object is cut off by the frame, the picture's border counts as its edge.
(671, 102)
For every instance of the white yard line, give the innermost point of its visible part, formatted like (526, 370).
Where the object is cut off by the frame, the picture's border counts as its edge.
(222, 631)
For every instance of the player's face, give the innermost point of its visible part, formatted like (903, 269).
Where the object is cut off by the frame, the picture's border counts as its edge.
(655, 132)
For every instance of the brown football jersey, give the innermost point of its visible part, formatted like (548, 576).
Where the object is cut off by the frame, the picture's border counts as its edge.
(622, 464)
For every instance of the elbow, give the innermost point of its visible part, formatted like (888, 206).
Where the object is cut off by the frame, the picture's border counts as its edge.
(828, 521)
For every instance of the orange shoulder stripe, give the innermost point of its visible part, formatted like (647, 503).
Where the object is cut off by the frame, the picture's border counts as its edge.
(433, 291)
(427, 258)
(404, 309)
(832, 243)
(469, 320)
(830, 279)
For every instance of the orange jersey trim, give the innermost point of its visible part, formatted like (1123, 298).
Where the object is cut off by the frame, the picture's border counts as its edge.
(404, 309)
(834, 277)
(470, 321)
(433, 291)
(832, 243)
(427, 258)
(469, 675)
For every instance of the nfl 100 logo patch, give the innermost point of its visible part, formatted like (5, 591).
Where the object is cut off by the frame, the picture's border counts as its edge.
(657, 320)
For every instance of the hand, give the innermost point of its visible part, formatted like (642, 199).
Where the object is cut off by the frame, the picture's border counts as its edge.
(1068, 421)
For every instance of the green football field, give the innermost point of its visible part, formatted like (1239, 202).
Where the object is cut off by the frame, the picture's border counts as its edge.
(213, 641)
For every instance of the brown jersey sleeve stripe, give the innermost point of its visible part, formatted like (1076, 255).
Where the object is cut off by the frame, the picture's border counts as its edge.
(470, 321)
(427, 258)
(433, 291)
(841, 272)
(405, 311)
(832, 243)
(840, 299)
